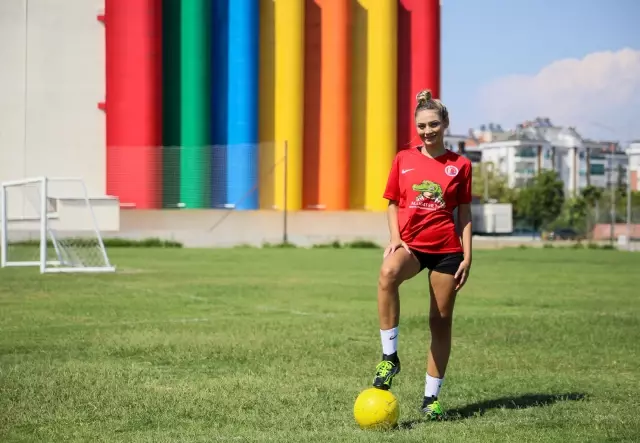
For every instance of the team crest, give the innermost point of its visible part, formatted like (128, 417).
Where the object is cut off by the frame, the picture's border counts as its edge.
(430, 196)
(451, 171)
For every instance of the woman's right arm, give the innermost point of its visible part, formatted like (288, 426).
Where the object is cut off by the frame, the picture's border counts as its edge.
(395, 241)
(392, 194)
(392, 219)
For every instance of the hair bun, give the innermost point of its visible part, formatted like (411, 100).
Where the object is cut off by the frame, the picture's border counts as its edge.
(423, 96)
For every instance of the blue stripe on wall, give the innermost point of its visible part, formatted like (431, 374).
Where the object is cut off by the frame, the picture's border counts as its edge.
(242, 103)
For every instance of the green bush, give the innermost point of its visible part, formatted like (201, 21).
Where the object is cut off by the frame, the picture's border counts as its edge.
(279, 245)
(333, 245)
(362, 244)
(357, 244)
(111, 243)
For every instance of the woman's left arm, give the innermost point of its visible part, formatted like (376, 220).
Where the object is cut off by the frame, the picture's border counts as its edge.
(464, 220)
(464, 217)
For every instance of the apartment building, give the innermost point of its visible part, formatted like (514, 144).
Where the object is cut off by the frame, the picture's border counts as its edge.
(519, 155)
(606, 162)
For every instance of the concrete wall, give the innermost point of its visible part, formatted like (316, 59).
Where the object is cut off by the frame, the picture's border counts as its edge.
(226, 228)
(223, 228)
(51, 79)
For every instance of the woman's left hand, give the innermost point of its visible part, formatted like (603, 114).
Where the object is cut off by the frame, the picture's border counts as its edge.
(462, 274)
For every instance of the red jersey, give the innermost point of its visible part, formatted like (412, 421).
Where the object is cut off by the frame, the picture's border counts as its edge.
(427, 191)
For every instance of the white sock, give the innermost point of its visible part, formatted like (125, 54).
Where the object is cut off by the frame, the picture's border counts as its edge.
(389, 339)
(432, 386)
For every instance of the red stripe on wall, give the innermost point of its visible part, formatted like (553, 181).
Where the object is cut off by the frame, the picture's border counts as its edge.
(418, 61)
(133, 37)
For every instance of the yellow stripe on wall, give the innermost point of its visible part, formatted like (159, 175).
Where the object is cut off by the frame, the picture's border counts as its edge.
(289, 99)
(381, 99)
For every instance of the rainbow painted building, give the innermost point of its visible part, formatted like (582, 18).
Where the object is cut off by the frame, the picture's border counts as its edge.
(335, 79)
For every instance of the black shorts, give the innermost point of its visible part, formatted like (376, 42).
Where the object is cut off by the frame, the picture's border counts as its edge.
(444, 263)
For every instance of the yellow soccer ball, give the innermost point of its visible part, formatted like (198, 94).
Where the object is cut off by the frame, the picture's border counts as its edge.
(376, 409)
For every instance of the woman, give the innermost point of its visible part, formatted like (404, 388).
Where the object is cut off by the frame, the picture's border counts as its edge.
(425, 185)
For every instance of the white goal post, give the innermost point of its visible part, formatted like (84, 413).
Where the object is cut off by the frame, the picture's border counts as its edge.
(50, 223)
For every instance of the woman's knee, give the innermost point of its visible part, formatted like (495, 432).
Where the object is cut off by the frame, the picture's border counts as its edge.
(389, 276)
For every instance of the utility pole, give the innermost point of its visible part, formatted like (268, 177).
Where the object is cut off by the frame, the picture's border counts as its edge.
(612, 188)
(628, 202)
(486, 182)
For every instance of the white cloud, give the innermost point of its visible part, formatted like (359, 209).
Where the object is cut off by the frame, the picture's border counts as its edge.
(599, 91)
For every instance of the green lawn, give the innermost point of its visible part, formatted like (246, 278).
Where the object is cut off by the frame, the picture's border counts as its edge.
(275, 345)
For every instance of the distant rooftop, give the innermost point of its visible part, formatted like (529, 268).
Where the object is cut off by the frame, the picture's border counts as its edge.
(541, 129)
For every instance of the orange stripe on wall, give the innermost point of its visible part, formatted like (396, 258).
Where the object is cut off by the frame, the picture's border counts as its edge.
(335, 105)
(312, 106)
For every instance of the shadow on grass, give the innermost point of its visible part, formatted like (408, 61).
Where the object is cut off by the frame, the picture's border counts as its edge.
(520, 402)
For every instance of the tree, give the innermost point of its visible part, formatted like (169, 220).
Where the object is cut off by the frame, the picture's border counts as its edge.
(591, 195)
(574, 215)
(541, 202)
(487, 179)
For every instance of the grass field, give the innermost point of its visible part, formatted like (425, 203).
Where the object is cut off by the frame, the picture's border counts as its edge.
(275, 344)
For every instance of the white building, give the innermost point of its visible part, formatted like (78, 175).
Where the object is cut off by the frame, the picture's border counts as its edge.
(520, 154)
(607, 164)
(51, 80)
(518, 158)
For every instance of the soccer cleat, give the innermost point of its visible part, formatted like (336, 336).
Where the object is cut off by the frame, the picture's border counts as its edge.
(432, 409)
(388, 368)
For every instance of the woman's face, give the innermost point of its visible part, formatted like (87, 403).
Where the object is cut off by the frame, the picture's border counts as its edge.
(430, 127)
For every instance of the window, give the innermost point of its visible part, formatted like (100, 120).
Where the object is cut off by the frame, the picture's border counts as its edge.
(527, 151)
(597, 169)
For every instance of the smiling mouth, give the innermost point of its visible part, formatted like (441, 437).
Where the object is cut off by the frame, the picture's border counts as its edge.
(430, 137)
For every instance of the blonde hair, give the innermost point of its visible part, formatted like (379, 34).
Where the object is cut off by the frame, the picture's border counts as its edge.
(426, 101)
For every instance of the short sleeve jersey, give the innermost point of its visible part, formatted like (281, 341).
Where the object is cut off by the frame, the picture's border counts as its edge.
(427, 191)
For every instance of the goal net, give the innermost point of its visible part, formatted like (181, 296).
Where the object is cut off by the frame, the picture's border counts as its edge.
(50, 223)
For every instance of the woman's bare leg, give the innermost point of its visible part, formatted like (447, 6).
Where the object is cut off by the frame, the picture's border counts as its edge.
(396, 268)
(443, 295)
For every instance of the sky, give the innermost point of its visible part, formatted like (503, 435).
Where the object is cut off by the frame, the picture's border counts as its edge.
(574, 61)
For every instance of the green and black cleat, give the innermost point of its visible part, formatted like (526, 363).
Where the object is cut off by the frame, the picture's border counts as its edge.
(432, 409)
(388, 368)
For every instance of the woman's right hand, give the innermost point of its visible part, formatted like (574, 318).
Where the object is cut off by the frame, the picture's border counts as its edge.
(394, 245)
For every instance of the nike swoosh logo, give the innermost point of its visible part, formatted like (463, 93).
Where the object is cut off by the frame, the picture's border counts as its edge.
(404, 171)
(391, 338)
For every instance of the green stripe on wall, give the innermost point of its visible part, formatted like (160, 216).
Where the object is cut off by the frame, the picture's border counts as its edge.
(195, 100)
